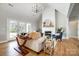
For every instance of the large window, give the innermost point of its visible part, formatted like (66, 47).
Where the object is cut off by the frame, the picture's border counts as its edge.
(28, 27)
(12, 29)
(17, 27)
(21, 27)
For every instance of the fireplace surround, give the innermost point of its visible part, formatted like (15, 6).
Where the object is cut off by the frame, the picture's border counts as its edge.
(48, 33)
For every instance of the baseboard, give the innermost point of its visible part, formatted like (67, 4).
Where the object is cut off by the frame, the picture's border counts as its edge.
(65, 38)
(6, 41)
(73, 37)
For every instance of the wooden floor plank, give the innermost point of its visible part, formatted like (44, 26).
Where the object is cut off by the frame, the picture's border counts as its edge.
(68, 47)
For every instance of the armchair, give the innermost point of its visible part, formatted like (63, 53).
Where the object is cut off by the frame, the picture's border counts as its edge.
(58, 34)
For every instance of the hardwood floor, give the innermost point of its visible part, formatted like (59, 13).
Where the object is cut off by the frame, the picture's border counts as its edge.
(68, 47)
(7, 49)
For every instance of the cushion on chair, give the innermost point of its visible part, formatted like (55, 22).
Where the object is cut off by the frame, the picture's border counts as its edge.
(35, 35)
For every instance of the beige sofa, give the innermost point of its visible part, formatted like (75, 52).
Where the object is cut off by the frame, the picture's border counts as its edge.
(36, 43)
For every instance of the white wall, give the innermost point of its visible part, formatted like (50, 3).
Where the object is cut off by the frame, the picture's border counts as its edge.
(39, 23)
(3, 24)
(78, 26)
(3, 28)
(62, 21)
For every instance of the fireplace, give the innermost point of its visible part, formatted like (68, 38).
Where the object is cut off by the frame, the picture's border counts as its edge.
(48, 33)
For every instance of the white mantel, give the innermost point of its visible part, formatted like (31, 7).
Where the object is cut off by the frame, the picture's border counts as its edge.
(48, 29)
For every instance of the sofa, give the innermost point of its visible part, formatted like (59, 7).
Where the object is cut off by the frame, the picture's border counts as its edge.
(35, 43)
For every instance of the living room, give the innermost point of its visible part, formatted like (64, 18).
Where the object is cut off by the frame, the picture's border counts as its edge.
(39, 20)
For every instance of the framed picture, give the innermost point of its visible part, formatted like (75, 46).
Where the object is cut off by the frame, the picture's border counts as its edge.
(48, 23)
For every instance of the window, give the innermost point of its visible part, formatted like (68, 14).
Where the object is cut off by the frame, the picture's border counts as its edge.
(16, 27)
(28, 27)
(21, 27)
(12, 29)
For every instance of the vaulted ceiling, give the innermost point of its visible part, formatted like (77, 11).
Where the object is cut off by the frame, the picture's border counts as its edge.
(61, 7)
(25, 9)
(75, 10)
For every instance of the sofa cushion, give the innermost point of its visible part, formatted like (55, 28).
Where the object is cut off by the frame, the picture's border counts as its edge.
(34, 35)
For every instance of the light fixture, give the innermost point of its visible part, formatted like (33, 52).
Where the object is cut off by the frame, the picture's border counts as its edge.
(37, 8)
(10, 4)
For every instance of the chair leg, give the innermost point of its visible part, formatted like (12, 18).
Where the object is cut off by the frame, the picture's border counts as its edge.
(60, 39)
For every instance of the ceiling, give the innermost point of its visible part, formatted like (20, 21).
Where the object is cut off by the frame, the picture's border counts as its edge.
(75, 11)
(61, 7)
(25, 9)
